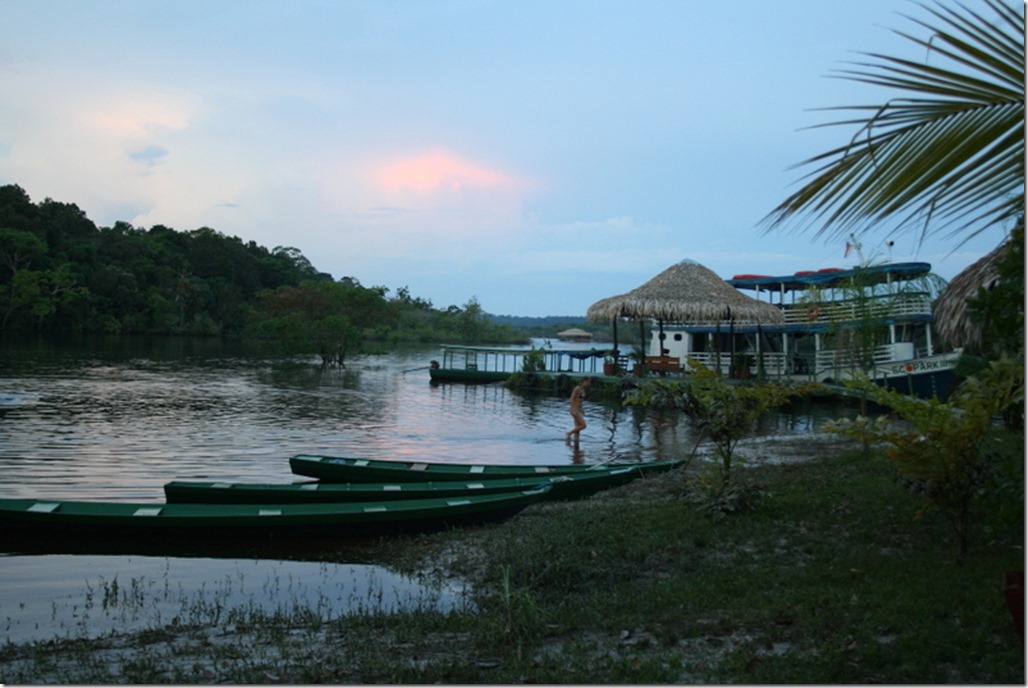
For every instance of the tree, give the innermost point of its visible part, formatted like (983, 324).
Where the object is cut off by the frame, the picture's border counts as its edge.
(943, 448)
(18, 252)
(326, 318)
(1000, 307)
(949, 150)
(43, 292)
(724, 412)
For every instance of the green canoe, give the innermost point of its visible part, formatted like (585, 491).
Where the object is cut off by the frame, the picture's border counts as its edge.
(348, 470)
(27, 520)
(573, 486)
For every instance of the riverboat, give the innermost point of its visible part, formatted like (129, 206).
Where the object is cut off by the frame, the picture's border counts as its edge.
(478, 364)
(564, 487)
(873, 320)
(352, 470)
(24, 522)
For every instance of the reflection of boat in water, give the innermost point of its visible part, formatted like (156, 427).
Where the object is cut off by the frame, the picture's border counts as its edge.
(839, 323)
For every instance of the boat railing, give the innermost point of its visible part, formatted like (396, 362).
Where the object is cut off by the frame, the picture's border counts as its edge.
(846, 359)
(888, 306)
(509, 360)
(774, 363)
(823, 364)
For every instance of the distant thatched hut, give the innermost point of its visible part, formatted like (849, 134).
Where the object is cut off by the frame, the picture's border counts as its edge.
(952, 323)
(575, 334)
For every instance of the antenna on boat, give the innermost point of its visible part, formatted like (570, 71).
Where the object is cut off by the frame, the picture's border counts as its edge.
(854, 245)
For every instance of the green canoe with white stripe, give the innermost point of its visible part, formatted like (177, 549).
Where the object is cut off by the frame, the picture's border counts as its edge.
(573, 486)
(350, 470)
(32, 520)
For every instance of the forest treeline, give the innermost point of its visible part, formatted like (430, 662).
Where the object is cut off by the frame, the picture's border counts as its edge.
(59, 272)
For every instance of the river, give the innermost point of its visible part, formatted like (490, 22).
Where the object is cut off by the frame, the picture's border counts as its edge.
(114, 419)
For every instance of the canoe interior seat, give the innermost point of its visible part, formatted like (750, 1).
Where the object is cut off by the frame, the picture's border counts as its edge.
(457, 502)
(44, 507)
(370, 509)
(148, 511)
(542, 469)
(477, 469)
(309, 486)
(391, 488)
(269, 512)
(361, 462)
(418, 466)
(476, 486)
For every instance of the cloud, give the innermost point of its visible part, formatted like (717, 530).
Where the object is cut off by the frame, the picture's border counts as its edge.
(97, 144)
(136, 115)
(441, 192)
(438, 171)
(421, 203)
(149, 155)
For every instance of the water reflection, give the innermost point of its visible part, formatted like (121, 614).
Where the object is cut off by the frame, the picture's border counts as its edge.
(117, 426)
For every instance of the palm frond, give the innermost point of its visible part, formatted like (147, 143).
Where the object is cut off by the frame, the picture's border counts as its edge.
(946, 154)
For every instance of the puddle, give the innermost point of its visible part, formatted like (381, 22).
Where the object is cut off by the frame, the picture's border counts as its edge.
(75, 596)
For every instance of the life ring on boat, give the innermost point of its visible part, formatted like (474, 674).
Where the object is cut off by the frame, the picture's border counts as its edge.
(813, 313)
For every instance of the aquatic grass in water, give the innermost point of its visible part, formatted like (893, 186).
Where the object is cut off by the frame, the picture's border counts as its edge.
(148, 593)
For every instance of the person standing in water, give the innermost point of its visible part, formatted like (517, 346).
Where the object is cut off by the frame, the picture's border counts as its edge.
(577, 396)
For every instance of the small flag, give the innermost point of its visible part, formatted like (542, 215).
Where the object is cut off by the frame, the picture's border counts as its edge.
(849, 246)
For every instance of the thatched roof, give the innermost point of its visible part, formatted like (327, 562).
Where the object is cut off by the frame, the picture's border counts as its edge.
(952, 323)
(574, 334)
(685, 292)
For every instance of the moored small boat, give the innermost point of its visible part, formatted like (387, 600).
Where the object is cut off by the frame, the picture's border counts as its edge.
(482, 364)
(353, 470)
(24, 521)
(571, 486)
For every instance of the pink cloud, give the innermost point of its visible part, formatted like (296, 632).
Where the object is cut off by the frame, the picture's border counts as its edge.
(438, 171)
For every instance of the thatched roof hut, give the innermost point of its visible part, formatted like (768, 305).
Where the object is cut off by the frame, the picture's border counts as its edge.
(685, 292)
(952, 324)
(574, 334)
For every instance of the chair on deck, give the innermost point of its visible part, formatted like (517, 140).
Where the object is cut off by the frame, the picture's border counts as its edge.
(664, 364)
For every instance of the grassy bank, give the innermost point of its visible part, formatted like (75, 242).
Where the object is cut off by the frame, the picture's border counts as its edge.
(827, 578)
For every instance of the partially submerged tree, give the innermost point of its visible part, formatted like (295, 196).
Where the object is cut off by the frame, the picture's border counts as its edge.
(326, 318)
(724, 412)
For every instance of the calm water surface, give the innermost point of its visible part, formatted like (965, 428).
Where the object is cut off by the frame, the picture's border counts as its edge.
(103, 420)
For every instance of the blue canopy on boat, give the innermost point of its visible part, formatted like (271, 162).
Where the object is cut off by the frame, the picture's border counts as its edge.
(832, 277)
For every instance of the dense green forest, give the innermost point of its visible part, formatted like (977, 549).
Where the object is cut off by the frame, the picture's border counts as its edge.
(59, 272)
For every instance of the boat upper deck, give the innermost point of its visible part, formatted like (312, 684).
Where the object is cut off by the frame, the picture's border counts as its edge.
(831, 278)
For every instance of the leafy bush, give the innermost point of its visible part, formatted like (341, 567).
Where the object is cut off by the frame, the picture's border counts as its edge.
(943, 449)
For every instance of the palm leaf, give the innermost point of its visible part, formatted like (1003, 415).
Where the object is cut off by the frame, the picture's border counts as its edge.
(946, 154)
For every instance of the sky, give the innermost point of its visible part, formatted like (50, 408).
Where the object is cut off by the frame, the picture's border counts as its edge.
(533, 155)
